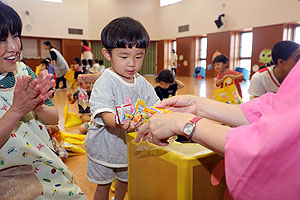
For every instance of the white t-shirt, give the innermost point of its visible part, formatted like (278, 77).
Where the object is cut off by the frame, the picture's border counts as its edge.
(104, 145)
(263, 81)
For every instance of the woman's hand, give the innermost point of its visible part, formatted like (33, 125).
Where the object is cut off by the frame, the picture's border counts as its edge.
(30, 96)
(161, 127)
(182, 103)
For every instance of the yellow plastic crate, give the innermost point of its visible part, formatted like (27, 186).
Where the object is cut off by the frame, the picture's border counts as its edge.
(178, 171)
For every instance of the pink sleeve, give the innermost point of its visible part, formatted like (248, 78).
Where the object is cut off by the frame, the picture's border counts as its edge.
(262, 159)
(255, 108)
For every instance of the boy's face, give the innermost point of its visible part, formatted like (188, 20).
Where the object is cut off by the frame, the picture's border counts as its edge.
(87, 86)
(125, 62)
(219, 66)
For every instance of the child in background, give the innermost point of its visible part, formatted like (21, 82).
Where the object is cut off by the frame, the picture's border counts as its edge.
(285, 55)
(96, 66)
(99, 67)
(125, 41)
(84, 110)
(77, 67)
(90, 66)
(221, 66)
(46, 65)
(102, 67)
(50, 68)
(168, 85)
(84, 66)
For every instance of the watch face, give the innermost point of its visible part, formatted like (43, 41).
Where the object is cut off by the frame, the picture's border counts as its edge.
(188, 128)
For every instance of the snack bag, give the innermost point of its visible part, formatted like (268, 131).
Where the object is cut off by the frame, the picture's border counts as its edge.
(83, 98)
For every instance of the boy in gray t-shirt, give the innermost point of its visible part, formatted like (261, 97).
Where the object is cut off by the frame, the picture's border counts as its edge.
(125, 41)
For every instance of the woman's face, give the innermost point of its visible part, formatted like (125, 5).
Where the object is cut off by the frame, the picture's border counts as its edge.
(10, 48)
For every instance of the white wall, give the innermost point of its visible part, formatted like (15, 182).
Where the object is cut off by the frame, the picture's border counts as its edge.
(47, 19)
(53, 20)
(240, 14)
(102, 12)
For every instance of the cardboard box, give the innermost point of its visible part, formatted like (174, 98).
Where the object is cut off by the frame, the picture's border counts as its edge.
(178, 171)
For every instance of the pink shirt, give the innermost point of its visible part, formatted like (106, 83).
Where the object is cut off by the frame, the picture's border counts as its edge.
(262, 159)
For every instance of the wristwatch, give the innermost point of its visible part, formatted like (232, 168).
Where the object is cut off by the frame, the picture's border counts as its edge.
(189, 127)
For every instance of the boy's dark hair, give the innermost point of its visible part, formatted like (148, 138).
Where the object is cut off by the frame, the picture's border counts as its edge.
(10, 21)
(165, 76)
(85, 43)
(48, 43)
(124, 32)
(220, 58)
(90, 61)
(101, 62)
(84, 62)
(77, 60)
(283, 50)
(96, 61)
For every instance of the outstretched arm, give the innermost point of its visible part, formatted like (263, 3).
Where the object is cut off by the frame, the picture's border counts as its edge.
(226, 113)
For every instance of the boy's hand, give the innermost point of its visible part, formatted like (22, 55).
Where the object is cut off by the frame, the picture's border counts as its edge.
(130, 125)
(69, 96)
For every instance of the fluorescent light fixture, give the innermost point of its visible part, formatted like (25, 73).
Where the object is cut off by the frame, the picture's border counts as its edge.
(54, 1)
(168, 2)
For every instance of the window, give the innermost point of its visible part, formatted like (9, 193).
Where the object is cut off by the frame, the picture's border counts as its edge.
(168, 2)
(203, 52)
(246, 50)
(55, 1)
(174, 45)
(297, 34)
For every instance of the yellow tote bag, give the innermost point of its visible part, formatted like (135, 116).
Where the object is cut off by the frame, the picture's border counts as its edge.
(70, 77)
(71, 118)
(229, 93)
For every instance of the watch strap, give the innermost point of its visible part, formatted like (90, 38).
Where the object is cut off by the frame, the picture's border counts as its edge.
(195, 119)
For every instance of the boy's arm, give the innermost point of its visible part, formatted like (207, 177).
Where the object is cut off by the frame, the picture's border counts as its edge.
(239, 76)
(88, 77)
(108, 119)
(219, 81)
(179, 84)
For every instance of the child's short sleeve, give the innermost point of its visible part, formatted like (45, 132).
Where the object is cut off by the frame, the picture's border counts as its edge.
(102, 99)
(256, 87)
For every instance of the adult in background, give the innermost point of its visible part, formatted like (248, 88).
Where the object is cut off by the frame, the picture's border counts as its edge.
(173, 62)
(60, 64)
(86, 52)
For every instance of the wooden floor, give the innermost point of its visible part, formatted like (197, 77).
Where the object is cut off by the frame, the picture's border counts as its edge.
(77, 164)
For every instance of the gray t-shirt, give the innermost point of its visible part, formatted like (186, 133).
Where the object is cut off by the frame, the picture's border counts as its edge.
(104, 145)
